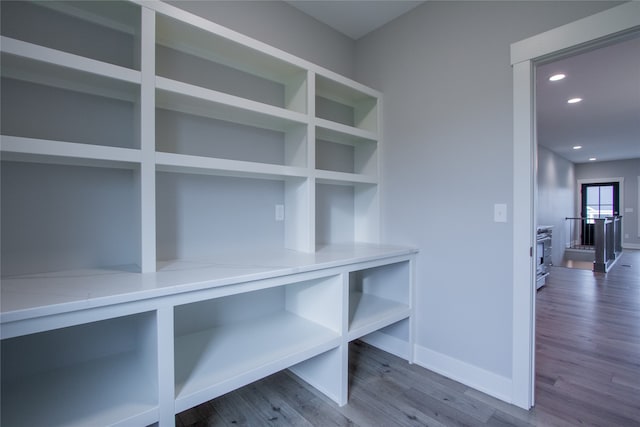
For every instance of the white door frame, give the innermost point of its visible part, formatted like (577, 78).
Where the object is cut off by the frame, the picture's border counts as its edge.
(601, 26)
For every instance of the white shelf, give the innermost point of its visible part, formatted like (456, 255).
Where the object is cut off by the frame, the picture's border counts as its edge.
(67, 78)
(105, 31)
(118, 16)
(34, 150)
(342, 134)
(187, 98)
(196, 36)
(106, 391)
(368, 313)
(343, 92)
(181, 163)
(36, 296)
(44, 55)
(343, 178)
(213, 362)
(347, 103)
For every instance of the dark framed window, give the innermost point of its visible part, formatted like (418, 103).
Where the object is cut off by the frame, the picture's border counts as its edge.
(600, 200)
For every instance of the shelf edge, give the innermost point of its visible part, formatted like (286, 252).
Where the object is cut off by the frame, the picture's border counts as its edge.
(61, 152)
(63, 59)
(171, 162)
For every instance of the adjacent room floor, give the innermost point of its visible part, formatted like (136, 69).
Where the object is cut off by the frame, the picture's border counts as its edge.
(587, 362)
(588, 345)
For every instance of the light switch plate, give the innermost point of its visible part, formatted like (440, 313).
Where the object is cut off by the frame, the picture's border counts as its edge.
(279, 212)
(500, 212)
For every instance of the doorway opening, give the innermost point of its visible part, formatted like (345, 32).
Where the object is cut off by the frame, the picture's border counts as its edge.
(612, 23)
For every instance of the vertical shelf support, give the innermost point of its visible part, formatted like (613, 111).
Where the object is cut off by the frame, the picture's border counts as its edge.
(147, 173)
(367, 197)
(166, 368)
(412, 305)
(300, 194)
(311, 161)
(328, 372)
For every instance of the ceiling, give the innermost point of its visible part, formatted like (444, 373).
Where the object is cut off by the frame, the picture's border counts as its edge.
(354, 18)
(606, 123)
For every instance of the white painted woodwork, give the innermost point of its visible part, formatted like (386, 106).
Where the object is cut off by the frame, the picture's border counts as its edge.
(195, 100)
(215, 361)
(105, 370)
(35, 150)
(176, 284)
(233, 322)
(146, 176)
(17, 49)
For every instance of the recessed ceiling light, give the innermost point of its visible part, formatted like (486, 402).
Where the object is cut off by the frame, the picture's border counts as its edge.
(574, 100)
(577, 147)
(592, 159)
(557, 77)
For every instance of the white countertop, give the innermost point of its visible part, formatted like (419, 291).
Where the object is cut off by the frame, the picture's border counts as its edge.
(36, 295)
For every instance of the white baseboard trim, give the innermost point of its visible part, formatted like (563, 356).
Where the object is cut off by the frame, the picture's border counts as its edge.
(388, 343)
(487, 382)
(630, 246)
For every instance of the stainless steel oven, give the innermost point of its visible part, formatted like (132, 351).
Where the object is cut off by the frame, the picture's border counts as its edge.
(543, 254)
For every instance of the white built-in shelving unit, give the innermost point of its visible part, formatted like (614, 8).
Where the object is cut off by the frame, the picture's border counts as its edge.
(185, 210)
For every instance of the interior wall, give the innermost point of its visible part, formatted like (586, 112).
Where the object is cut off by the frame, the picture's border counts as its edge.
(630, 171)
(283, 26)
(556, 198)
(445, 73)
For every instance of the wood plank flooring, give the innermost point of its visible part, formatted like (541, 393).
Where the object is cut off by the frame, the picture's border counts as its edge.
(588, 345)
(587, 369)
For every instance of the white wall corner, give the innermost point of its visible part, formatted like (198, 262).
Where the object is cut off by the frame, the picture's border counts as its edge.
(480, 379)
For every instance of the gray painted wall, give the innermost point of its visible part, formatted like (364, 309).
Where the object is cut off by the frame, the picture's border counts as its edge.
(282, 26)
(445, 74)
(630, 171)
(556, 197)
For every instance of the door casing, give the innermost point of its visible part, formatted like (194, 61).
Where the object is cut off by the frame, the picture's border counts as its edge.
(599, 28)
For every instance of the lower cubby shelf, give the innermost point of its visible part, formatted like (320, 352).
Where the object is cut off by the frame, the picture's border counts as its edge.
(102, 373)
(378, 298)
(215, 361)
(98, 393)
(368, 313)
(224, 343)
